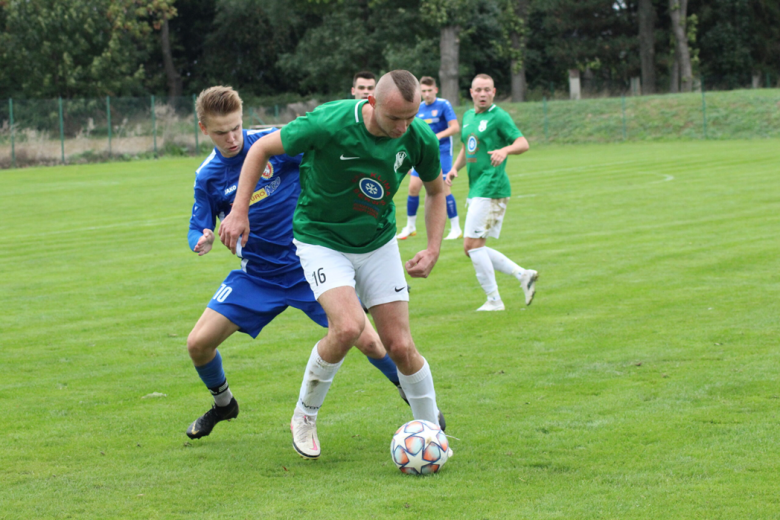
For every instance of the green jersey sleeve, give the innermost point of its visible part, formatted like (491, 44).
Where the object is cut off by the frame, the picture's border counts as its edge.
(298, 136)
(508, 128)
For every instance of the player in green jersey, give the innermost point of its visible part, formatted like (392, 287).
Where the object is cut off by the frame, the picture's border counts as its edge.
(489, 135)
(355, 155)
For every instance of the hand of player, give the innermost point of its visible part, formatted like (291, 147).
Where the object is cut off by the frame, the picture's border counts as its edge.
(204, 242)
(235, 227)
(497, 156)
(452, 174)
(422, 264)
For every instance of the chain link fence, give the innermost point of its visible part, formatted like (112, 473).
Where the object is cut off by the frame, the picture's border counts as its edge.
(73, 131)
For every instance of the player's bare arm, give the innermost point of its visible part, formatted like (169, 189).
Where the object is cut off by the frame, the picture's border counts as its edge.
(453, 127)
(204, 242)
(236, 224)
(435, 218)
(516, 148)
(460, 162)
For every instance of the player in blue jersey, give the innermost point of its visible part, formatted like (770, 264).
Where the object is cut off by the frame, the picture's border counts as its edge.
(270, 278)
(440, 116)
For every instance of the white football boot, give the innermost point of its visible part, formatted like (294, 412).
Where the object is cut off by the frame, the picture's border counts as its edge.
(454, 234)
(406, 233)
(492, 305)
(304, 432)
(528, 284)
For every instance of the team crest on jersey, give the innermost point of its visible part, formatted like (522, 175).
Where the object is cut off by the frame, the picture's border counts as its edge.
(399, 160)
(482, 125)
(371, 188)
(471, 144)
(269, 171)
(434, 113)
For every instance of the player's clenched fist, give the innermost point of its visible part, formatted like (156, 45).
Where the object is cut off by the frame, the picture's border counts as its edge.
(235, 227)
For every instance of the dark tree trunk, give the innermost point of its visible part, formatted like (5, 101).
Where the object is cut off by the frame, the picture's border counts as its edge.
(519, 84)
(677, 12)
(450, 62)
(647, 45)
(174, 78)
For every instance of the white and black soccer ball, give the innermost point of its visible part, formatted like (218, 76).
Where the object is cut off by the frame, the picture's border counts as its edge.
(419, 448)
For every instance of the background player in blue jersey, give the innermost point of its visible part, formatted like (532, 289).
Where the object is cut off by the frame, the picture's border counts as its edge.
(271, 277)
(440, 116)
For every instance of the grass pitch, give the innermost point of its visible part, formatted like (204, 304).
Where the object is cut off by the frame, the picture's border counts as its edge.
(641, 383)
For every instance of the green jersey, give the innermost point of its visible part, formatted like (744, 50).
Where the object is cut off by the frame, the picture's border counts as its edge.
(349, 176)
(482, 133)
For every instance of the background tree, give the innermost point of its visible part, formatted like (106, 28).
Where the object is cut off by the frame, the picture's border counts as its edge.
(678, 12)
(647, 18)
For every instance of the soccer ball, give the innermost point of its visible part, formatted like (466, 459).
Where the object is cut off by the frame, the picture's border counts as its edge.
(419, 448)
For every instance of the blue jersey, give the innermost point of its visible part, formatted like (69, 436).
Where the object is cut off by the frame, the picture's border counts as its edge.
(438, 116)
(269, 253)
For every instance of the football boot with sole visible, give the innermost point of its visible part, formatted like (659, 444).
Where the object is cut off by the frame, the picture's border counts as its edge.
(528, 284)
(304, 432)
(206, 422)
(406, 233)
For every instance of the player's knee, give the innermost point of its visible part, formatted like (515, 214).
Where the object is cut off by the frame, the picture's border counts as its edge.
(346, 333)
(401, 350)
(370, 345)
(197, 346)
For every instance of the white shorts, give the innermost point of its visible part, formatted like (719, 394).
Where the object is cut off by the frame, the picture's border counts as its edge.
(378, 276)
(484, 217)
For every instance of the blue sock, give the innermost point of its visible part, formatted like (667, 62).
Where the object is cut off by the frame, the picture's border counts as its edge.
(212, 374)
(452, 207)
(412, 203)
(387, 367)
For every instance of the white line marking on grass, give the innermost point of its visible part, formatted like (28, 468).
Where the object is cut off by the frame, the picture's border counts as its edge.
(136, 223)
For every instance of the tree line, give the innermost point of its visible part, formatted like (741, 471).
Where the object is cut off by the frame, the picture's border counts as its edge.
(292, 49)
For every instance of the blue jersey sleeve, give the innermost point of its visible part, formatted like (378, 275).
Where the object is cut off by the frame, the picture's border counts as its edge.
(203, 216)
(449, 112)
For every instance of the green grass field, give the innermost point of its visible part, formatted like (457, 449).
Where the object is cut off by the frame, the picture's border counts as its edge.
(642, 383)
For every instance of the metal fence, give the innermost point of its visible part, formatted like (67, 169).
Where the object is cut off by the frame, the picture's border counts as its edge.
(73, 131)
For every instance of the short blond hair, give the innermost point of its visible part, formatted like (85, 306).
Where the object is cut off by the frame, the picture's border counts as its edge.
(217, 101)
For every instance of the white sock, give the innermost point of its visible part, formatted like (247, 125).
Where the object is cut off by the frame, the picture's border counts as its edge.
(316, 382)
(419, 391)
(484, 268)
(223, 399)
(502, 264)
(410, 221)
(455, 223)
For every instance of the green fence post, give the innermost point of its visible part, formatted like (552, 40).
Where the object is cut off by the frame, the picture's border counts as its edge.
(195, 122)
(62, 132)
(108, 118)
(11, 116)
(544, 106)
(623, 105)
(703, 109)
(154, 128)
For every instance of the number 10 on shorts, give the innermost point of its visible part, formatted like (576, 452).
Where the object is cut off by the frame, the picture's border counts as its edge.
(222, 293)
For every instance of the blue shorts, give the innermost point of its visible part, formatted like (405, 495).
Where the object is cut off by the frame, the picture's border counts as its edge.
(251, 303)
(446, 163)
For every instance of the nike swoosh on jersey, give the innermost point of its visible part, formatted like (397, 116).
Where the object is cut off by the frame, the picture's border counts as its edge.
(347, 158)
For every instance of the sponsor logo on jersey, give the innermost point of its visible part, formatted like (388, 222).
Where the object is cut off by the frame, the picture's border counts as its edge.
(265, 191)
(399, 160)
(231, 189)
(471, 144)
(268, 172)
(482, 125)
(371, 188)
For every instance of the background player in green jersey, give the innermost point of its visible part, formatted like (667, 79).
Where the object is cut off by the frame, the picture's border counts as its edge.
(355, 155)
(489, 135)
